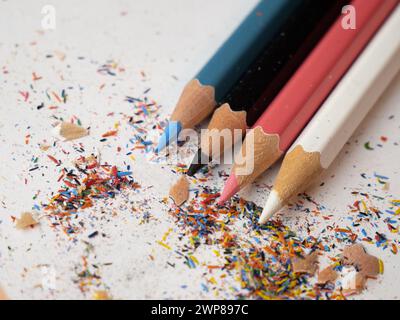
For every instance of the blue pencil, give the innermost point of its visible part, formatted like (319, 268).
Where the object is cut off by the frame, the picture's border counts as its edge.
(218, 76)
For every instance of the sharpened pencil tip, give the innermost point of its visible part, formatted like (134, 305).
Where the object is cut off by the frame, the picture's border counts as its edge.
(231, 188)
(273, 205)
(170, 134)
(199, 162)
(194, 168)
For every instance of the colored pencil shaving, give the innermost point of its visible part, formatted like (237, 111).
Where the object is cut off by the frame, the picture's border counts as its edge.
(180, 191)
(3, 295)
(25, 221)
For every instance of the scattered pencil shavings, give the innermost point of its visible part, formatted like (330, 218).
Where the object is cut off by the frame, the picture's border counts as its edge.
(328, 275)
(71, 131)
(110, 134)
(367, 146)
(83, 186)
(386, 186)
(44, 147)
(25, 221)
(306, 265)
(353, 282)
(180, 191)
(263, 270)
(362, 267)
(369, 266)
(264, 262)
(101, 295)
(3, 295)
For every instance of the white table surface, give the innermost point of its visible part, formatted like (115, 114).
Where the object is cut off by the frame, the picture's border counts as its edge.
(169, 41)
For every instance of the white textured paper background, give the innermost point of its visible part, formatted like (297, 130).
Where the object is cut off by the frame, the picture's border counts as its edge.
(169, 41)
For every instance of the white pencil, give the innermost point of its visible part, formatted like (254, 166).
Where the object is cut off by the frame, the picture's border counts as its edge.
(338, 118)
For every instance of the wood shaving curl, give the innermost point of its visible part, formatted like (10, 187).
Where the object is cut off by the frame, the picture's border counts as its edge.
(327, 275)
(25, 221)
(179, 192)
(71, 131)
(306, 265)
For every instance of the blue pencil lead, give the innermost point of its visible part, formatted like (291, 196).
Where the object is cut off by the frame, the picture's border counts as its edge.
(170, 134)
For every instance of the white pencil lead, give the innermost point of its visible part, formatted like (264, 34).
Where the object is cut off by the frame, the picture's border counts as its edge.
(273, 205)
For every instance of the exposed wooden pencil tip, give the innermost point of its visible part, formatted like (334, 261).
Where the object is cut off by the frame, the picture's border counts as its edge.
(259, 152)
(230, 189)
(196, 103)
(226, 128)
(199, 161)
(299, 169)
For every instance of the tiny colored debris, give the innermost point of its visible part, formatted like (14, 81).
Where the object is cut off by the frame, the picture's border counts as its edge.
(110, 134)
(367, 146)
(82, 187)
(93, 200)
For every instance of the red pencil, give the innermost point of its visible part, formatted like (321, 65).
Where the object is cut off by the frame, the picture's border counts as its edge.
(295, 105)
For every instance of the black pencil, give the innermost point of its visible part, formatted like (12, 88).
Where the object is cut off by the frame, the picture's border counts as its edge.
(264, 79)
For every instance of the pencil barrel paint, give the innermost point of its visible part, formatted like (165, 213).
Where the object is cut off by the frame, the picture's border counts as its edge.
(233, 58)
(280, 58)
(314, 81)
(228, 63)
(322, 140)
